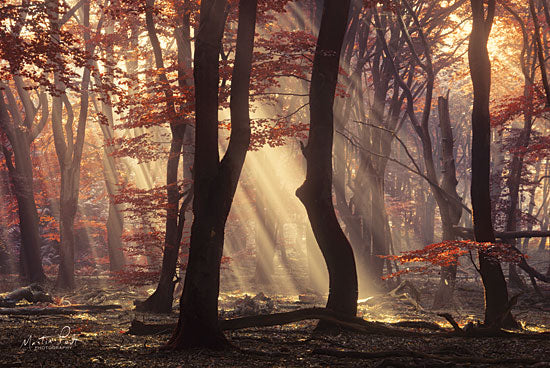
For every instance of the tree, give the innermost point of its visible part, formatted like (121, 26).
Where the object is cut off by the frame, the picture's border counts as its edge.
(316, 191)
(23, 118)
(215, 182)
(68, 147)
(20, 132)
(115, 219)
(161, 299)
(496, 293)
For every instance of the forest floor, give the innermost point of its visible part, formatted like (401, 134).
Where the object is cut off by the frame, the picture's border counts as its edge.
(98, 338)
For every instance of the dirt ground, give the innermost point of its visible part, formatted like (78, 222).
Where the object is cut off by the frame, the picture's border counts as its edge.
(98, 339)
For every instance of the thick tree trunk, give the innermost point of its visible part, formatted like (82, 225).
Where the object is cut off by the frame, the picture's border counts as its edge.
(30, 261)
(496, 293)
(215, 181)
(316, 192)
(30, 258)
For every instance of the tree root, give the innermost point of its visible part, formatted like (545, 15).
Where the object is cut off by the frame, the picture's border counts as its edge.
(355, 324)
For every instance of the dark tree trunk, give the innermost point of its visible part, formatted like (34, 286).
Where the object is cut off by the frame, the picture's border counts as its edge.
(215, 181)
(316, 192)
(496, 293)
(540, 51)
(161, 300)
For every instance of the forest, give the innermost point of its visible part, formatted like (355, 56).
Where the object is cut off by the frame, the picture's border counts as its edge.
(274, 183)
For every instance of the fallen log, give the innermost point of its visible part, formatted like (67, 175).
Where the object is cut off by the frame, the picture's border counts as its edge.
(33, 293)
(468, 233)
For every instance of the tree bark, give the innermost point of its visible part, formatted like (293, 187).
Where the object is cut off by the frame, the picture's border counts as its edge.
(316, 191)
(215, 181)
(496, 293)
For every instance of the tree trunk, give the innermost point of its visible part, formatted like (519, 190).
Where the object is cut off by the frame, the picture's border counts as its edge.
(444, 294)
(496, 293)
(69, 148)
(316, 191)
(30, 257)
(21, 175)
(215, 181)
(115, 218)
(161, 300)
(68, 206)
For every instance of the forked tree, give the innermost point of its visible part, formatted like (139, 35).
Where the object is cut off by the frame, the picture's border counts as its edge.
(215, 181)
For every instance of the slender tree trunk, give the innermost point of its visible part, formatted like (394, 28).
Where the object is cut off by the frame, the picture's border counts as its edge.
(444, 294)
(115, 218)
(215, 181)
(496, 293)
(316, 191)
(161, 300)
(540, 51)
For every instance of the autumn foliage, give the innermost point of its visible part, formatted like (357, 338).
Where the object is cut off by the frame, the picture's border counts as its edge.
(447, 253)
